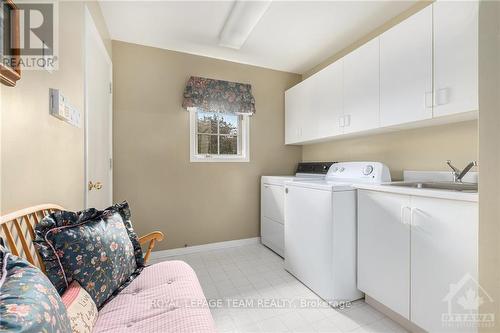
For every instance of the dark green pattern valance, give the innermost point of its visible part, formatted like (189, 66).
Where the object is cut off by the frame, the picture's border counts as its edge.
(218, 96)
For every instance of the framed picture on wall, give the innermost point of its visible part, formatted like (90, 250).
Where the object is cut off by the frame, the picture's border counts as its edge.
(10, 71)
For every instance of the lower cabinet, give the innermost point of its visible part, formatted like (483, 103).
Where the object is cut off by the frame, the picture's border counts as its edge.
(384, 249)
(444, 267)
(418, 256)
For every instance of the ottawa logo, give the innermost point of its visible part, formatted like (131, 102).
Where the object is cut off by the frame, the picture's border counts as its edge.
(464, 299)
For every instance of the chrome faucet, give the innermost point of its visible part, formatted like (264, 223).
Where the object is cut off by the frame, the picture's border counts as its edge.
(457, 174)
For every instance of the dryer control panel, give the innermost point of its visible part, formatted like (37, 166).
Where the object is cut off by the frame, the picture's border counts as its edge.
(314, 167)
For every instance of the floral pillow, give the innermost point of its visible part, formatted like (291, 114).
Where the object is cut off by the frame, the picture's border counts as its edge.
(28, 301)
(98, 249)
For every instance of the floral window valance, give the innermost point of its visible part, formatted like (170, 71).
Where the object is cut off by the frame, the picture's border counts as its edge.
(218, 96)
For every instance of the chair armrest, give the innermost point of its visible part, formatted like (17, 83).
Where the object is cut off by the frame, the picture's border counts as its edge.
(152, 237)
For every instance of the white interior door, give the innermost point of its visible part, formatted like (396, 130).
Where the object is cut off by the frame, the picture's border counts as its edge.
(98, 119)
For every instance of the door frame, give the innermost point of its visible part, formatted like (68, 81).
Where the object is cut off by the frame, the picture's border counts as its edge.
(90, 28)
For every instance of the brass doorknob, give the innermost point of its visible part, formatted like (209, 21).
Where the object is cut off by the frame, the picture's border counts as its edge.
(95, 186)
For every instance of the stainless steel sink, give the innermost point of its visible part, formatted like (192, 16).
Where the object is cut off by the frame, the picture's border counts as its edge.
(449, 186)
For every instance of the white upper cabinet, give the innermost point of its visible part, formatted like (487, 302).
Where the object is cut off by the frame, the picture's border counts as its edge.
(295, 102)
(325, 103)
(425, 67)
(455, 57)
(362, 88)
(406, 70)
(314, 106)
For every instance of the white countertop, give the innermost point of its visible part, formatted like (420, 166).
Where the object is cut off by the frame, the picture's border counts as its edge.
(423, 192)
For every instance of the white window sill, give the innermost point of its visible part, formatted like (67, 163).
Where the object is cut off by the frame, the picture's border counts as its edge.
(222, 159)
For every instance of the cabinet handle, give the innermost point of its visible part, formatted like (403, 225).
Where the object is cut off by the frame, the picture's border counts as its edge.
(347, 120)
(442, 96)
(403, 209)
(415, 226)
(413, 210)
(341, 121)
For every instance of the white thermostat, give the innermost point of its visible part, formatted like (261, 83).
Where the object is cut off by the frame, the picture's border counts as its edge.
(62, 109)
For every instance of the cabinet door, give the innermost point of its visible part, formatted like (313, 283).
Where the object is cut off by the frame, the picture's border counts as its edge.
(406, 70)
(444, 247)
(384, 249)
(455, 56)
(362, 88)
(273, 199)
(325, 103)
(294, 109)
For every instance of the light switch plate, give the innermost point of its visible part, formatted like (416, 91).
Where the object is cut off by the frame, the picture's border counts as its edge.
(61, 108)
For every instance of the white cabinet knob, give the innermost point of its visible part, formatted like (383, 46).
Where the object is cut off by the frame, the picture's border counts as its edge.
(347, 120)
(442, 96)
(341, 121)
(403, 215)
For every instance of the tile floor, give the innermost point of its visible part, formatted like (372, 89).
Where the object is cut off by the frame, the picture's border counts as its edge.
(250, 291)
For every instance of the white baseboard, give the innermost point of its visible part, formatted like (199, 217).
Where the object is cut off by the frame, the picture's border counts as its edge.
(155, 255)
(411, 327)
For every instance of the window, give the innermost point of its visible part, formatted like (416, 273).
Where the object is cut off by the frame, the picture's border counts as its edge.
(218, 137)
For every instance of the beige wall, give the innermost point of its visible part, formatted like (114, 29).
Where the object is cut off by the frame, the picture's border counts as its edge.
(416, 149)
(42, 158)
(193, 203)
(489, 157)
(363, 40)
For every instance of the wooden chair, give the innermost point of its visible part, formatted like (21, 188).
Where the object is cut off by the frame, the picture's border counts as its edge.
(17, 228)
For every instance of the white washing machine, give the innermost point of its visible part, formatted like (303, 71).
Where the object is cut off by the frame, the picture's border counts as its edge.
(272, 215)
(320, 229)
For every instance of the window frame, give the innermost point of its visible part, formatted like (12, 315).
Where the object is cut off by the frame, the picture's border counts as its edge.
(244, 136)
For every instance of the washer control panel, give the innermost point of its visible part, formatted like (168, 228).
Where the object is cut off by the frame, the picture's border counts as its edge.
(367, 170)
(375, 172)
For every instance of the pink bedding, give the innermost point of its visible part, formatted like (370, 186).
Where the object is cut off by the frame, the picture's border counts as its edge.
(166, 297)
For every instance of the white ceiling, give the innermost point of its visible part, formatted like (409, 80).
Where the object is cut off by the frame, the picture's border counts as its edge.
(292, 36)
